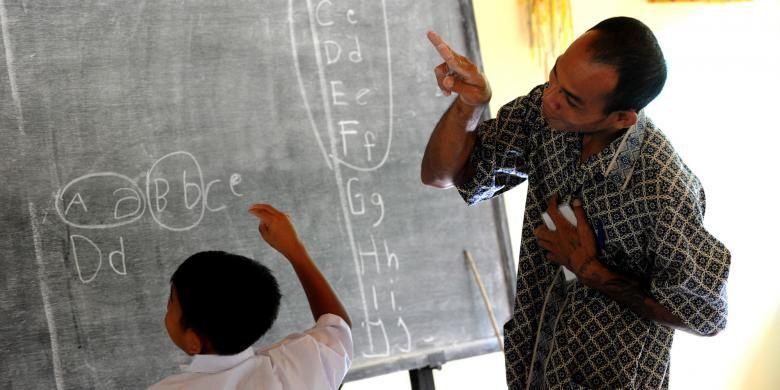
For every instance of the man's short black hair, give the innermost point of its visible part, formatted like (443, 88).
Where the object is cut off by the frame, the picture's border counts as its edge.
(631, 48)
(229, 299)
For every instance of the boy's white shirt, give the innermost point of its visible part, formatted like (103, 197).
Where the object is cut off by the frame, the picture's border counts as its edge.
(318, 358)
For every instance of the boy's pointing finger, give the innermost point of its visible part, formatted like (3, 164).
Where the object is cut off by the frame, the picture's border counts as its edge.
(262, 210)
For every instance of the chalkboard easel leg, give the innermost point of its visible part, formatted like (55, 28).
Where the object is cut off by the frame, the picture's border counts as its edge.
(422, 378)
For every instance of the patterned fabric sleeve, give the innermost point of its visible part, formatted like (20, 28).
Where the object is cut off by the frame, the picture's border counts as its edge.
(499, 159)
(691, 266)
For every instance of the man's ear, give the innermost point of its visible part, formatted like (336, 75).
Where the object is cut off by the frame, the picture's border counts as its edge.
(193, 344)
(623, 119)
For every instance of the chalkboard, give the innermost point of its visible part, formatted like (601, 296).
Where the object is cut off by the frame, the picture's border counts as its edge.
(136, 133)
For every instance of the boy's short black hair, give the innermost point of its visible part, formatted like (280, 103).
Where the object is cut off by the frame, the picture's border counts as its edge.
(229, 299)
(631, 47)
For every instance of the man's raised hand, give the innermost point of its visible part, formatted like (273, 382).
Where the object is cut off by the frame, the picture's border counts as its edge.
(458, 74)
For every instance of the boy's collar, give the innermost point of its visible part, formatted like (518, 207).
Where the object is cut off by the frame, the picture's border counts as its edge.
(209, 364)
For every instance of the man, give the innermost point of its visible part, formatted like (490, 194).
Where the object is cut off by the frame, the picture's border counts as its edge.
(643, 263)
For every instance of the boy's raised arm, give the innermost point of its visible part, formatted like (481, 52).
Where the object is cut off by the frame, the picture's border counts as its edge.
(277, 230)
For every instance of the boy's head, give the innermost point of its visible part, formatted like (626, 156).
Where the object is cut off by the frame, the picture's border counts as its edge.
(220, 303)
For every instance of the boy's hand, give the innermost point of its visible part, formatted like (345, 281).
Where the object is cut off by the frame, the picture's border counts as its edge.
(276, 229)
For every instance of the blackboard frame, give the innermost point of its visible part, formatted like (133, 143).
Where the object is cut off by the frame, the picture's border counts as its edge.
(57, 107)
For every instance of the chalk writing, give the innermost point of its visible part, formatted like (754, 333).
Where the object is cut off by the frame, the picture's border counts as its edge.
(325, 18)
(81, 244)
(177, 197)
(110, 217)
(355, 143)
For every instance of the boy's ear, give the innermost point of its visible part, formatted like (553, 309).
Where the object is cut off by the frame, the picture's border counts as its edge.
(193, 344)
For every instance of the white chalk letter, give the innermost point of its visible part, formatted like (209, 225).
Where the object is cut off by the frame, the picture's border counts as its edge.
(350, 14)
(74, 201)
(373, 253)
(345, 132)
(317, 13)
(235, 179)
(356, 55)
(378, 324)
(369, 144)
(335, 94)
(376, 200)
(121, 254)
(357, 196)
(329, 56)
(206, 196)
(134, 197)
(391, 257)
(187, 185)
(76, 260)
(359, 96)
(402, 325)
(158, 197)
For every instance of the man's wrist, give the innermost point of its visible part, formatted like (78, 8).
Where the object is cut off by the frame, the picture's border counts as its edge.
(588, 270)
(459, 99)
(469, 114)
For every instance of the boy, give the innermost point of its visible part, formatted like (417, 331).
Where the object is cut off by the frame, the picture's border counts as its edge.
(220, 304)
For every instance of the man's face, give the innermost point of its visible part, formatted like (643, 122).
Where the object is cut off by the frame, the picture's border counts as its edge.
(575, 97)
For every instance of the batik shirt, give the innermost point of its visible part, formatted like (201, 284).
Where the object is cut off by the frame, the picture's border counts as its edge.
(646, 209)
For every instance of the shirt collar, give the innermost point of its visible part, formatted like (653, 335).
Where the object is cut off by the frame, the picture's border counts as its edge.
(623, 152)
(215, 363)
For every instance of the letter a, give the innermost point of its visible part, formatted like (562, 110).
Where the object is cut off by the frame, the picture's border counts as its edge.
(75, 201)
